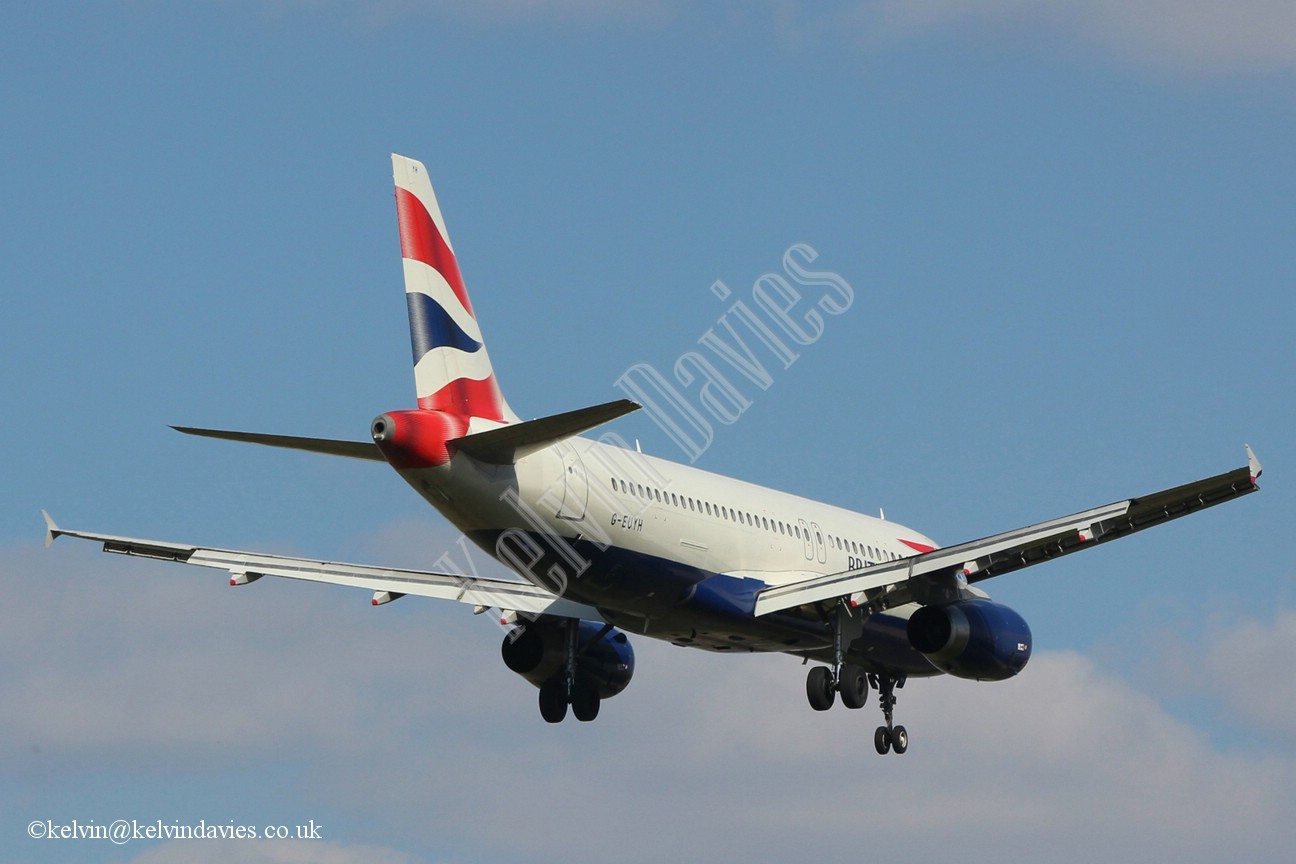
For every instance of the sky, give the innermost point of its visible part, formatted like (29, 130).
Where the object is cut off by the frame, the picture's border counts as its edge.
(1068, 232)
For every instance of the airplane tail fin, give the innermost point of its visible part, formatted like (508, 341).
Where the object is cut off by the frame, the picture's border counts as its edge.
(452, 371)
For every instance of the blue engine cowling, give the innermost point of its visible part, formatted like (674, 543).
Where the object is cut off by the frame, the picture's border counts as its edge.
(536, 651)
(975, 639)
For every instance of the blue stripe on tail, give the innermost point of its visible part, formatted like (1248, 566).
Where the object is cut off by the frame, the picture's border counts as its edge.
(432, 327)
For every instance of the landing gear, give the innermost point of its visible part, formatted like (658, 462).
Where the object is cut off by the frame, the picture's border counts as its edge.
(585, 703)
(889, 737)
(823, 683)
(853, 686)
(553, 700)
(821, 690)
(565, 688)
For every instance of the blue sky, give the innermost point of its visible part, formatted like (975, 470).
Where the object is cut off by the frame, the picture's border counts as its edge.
(1069, 230)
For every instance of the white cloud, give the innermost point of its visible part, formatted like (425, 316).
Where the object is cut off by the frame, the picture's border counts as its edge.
(111, 659)
(268, 852)
(1185, 36)
(1239, 668)
(404, 718)
(1249, 664)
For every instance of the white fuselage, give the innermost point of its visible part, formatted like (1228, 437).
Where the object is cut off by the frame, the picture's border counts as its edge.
(666, 549)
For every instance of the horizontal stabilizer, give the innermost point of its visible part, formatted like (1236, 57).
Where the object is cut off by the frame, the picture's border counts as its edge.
(507, 444)
(328, 446)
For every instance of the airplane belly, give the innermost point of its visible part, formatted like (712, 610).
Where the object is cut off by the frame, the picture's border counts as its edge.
(685, 605)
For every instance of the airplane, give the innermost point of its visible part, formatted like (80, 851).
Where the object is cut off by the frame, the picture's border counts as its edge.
(610, 541)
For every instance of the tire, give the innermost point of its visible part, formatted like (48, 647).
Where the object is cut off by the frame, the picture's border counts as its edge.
(882, 740)
(819, 688)
(853, 686)
(553, 701)
(585, 704)
(899, 740)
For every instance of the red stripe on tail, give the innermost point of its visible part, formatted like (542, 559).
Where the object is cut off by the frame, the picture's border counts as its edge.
(468, 397)
(421, 241)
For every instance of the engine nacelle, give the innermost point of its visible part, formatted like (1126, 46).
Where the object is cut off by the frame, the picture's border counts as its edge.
(975, 639)
(536, 651)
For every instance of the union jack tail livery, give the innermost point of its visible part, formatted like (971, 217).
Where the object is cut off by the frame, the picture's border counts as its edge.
(452, 371)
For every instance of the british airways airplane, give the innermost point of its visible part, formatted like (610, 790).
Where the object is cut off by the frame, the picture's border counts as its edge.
(611, 541)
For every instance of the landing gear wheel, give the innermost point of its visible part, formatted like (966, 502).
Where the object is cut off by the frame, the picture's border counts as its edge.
(819, 688)
(853, 686)
(553, 701)
(882, 740)
(899, 740)
(585, 704)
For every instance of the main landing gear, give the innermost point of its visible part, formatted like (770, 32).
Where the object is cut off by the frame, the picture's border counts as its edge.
(567, 688)
(823, 683)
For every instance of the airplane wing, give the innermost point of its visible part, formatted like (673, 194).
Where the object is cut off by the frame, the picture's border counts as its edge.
(387, 583)
(933, 576)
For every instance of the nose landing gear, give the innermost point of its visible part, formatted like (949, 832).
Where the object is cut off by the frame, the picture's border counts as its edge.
(888, 737)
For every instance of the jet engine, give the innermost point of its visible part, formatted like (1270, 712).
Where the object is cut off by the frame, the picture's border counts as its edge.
(537, 651)
(976, 639)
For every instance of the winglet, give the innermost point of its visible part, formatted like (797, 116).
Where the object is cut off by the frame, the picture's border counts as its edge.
(51, 529)
(1254, 463)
